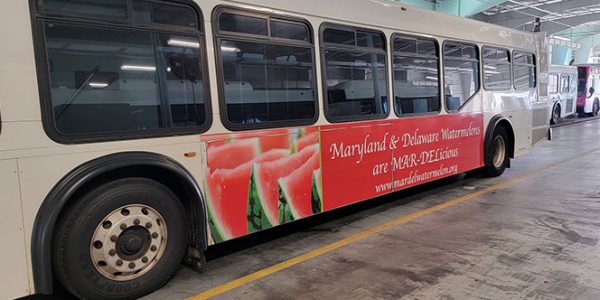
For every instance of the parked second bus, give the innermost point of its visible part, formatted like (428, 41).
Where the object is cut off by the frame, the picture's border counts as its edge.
(562, 91)
(588, 90)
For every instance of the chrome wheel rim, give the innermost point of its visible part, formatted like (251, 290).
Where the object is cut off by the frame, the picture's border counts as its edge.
(128, 242)
(499, 152)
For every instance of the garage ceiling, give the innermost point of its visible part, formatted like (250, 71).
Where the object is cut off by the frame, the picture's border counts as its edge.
(570, 18)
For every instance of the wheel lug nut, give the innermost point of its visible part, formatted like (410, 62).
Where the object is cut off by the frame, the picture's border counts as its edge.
(144, 259)
(136, 221)
(154, 235)
(131, 265)
(113, 238)
(119, 262)
(112, 252)
(123, 227)
(153, 248)
(148, 225)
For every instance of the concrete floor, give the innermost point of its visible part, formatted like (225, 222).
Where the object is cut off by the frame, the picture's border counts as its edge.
(534, 237)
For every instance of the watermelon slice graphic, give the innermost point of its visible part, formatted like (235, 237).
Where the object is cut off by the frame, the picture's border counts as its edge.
(231, 155)
(306, 140)
(317, 192)
(295, 191)
(227, 196)
(263, 196)
(272, 139)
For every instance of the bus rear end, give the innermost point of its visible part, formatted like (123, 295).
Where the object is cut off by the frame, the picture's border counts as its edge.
(582, 76)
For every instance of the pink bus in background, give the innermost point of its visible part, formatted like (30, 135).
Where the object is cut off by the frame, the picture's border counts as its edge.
(588, 90)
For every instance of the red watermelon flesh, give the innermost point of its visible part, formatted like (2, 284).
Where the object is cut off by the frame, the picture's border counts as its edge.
(307, 140)
(263, 196)
(227, 195)
(231, 155)
(295, 196)
(272, 139)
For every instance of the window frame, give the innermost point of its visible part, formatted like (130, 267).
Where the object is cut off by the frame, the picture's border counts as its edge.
(479, 74)
(218, 36)
(340, 47)
(439, 69)
(38, 18)
(510, 68)
(534, 58)
(562, 88)
(558, 85)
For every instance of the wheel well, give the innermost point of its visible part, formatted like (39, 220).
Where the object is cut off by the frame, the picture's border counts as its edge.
(511, 136)
(101, 170)
(171, 180)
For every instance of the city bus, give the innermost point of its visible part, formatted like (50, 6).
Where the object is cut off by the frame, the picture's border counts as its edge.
(562, 91)
(588, 90)
(137, 133)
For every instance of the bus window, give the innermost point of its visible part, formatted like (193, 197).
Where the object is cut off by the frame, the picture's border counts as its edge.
(117, 82)
(523, 70)
(552, 83)
(355, 74)
(167, 14)
(581, 81)
(90, 8)
(266, 82)
(243, 24)
(416, 75)
(496, 68)
(565, 83)
(461, 73)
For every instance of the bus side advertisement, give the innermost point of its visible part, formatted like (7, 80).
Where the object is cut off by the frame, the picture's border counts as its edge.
(257, 180)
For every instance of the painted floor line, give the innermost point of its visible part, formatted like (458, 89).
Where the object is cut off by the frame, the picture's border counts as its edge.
(220, 289)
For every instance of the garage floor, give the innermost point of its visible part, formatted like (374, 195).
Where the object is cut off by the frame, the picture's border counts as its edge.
(532, 233)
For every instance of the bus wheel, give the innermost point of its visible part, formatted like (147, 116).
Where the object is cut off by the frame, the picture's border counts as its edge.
(595, 108)
(496, 158)
(121, 240)
(555, 114)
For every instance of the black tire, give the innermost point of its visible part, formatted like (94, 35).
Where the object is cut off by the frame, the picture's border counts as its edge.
(555, 114)
(72, 258)
(595, 109)
(492, 169)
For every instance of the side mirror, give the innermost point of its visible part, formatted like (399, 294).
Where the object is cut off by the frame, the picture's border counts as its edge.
(591, 91)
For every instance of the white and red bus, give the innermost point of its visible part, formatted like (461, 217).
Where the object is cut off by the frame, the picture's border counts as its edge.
(137, 133)
(588, 90)
(562, 91)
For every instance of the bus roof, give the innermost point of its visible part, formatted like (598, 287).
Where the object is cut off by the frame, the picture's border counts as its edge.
(390, 15)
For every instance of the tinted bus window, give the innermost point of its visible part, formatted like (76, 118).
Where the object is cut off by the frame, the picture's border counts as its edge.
(416, 75)
(582, 77)
(461, 73)
(355, 74)
(496, 69)
(243, 24)
(524, 71)
(565, 83)
(92, 8)
(123, 81)
(152, 12)
(266, 83)
(552, 83)
(290, 30)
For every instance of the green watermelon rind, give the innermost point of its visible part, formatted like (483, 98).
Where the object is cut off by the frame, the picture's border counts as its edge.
(258, 219)
(317, 194)
(284, 208)
(217, 231)
(255, 206)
